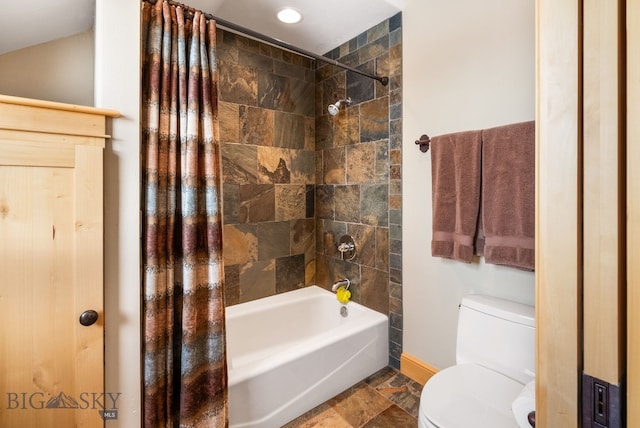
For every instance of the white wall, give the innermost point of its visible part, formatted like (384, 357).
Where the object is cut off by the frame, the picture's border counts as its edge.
(466, 65)
(38, 71)
(117, 83)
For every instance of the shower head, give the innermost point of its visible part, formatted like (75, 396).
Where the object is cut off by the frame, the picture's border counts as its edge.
(335, 108)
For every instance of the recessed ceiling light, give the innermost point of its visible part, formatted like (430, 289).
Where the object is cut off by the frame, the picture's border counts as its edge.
(289, 15)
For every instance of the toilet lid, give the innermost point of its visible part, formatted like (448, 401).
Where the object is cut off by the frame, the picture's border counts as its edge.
(468, 395)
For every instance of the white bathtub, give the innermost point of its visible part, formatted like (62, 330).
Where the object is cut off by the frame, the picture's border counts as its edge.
(293, 351)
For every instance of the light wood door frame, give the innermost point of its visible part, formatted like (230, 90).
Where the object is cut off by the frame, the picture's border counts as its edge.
(604, 199)
(633, 213)
(558, 213)
(584, 287)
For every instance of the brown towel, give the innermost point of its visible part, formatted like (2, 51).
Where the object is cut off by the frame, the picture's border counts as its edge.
(455, 171)
(508, 195)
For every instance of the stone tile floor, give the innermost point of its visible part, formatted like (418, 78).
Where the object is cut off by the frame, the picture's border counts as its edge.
(386, 399)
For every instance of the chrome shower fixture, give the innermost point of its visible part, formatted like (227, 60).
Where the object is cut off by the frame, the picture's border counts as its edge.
(335, 108)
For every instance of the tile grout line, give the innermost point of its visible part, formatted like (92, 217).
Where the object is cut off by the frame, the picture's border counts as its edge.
(375, 390)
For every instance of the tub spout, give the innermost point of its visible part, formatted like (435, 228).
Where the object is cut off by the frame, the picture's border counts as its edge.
(342, 283)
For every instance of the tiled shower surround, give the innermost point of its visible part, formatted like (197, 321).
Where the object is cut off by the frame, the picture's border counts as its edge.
(296, 178)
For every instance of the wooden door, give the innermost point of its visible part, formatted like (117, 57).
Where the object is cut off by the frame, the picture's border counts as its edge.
(51, 366)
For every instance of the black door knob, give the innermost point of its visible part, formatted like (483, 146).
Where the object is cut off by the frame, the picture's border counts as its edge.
(88, 318)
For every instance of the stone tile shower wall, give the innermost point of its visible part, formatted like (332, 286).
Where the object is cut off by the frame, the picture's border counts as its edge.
(296, 179)
(358, 173)
(266, 115)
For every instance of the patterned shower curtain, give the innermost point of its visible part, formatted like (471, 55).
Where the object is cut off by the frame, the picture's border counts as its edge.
(185, 376)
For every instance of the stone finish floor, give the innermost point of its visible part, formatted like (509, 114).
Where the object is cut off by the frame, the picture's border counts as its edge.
(386, 399)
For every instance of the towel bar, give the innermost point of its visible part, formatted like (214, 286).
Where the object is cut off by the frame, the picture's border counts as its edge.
(423, 142)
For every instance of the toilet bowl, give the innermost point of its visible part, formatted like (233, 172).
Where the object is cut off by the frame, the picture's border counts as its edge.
(495, 358)
(468, 395)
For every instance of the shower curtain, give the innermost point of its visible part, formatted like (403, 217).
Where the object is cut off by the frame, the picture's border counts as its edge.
(185, 376)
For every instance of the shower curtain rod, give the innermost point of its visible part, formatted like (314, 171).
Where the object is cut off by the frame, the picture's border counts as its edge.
(279, 43)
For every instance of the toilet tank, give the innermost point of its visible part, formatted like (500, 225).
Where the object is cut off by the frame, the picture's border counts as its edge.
(497, 334)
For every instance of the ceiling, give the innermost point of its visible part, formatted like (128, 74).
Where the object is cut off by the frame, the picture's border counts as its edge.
(326, 24)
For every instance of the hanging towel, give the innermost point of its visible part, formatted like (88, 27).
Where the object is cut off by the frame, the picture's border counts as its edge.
(455, 170)
(508, 195)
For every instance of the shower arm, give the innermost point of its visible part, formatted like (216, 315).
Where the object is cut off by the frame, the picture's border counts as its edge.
(384, 80)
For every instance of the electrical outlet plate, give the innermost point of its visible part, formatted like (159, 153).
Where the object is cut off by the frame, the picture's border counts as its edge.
(601, 403)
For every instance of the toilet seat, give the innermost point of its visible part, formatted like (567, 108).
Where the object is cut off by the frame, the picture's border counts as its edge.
(468, 395)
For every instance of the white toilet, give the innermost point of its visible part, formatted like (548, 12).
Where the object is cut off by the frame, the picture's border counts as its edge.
(495, 358)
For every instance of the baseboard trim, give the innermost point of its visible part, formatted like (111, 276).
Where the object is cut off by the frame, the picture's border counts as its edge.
(416, 369)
